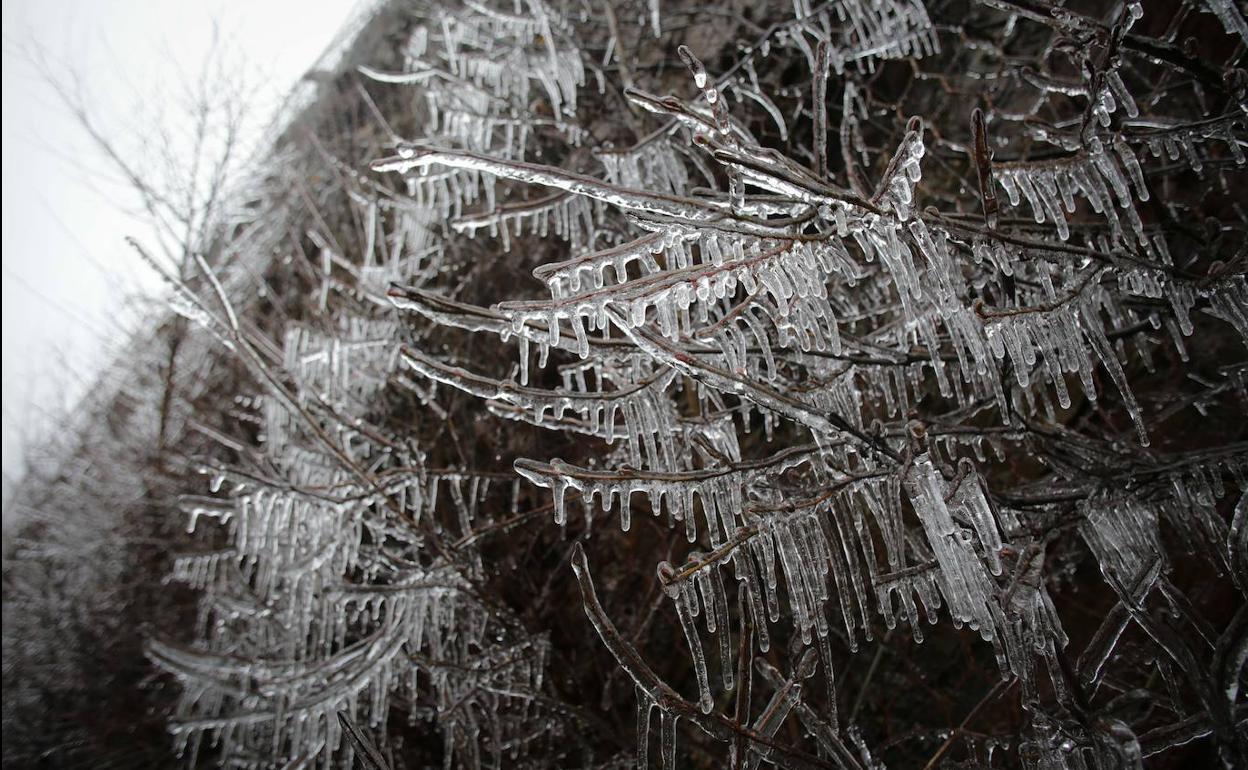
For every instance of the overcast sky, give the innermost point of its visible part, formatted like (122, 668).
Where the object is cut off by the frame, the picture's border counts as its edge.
(69, 280)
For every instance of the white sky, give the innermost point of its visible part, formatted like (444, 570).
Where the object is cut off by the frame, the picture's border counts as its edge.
(69, 281)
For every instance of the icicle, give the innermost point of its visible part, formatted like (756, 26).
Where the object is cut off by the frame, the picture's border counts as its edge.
(667, 735)
(781, 703)
(683, 596)
(644, 707)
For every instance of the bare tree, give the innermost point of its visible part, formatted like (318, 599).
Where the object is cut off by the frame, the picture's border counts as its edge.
(91, 529)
